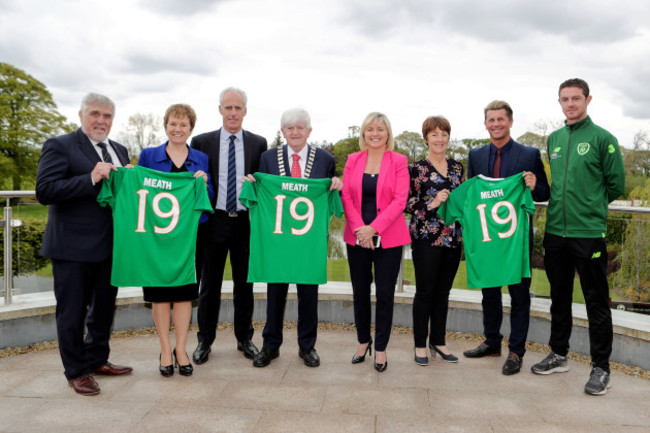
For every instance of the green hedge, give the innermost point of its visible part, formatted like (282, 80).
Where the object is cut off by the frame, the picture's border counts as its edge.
(27, 240)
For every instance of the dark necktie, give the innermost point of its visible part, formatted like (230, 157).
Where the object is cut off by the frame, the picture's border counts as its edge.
(105, 155)
(231, 200)
(496, 171)
(295, 168)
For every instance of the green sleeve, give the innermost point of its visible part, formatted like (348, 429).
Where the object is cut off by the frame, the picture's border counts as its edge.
(335, 203)
(110, 187)
(202, 202)
(452, 210)
(613, 168)
(248, 195)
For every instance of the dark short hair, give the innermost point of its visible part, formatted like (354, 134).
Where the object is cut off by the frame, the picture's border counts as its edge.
(433, 122)
(181, 110)
(575, 82)
(498, 105)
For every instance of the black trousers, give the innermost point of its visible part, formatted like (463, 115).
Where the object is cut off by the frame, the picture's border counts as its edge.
(276, 301)
(563, 256)
(219, 236)
(84, 298)
(386, 263)
(519, 316)
(435, 269)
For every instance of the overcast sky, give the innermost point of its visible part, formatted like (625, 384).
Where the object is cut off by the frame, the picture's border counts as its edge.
(339, 59)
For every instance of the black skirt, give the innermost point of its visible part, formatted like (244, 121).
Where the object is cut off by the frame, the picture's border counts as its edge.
(189, 292)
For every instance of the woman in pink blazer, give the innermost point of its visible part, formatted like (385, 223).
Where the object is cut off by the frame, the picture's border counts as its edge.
(375, 190)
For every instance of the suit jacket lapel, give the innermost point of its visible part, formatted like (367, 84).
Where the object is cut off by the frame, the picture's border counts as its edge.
(513, 160)
(483, 161)
(358, 174)
(87, 147)
(124, 158)
(385, 168)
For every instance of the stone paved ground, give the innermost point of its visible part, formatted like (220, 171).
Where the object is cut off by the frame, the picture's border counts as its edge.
(227, 394)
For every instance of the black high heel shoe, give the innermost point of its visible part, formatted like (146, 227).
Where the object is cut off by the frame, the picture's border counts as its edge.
(166, 370)
(420, 360)
(357, 359)
(380, 367)
(183, 370)
(449, 358)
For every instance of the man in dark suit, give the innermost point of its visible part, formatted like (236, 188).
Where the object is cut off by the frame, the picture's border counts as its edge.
(296, 159)
(79, 240)
(233, 153)
(505, 157)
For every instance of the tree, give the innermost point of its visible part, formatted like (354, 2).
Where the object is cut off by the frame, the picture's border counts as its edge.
(637, 160)
(142, 130)
(277, 141)
(28, 117)
(634, 276)
(412, 145)
(344, 147)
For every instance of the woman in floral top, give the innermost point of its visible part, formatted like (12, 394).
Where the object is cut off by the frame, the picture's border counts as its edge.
(435, 246)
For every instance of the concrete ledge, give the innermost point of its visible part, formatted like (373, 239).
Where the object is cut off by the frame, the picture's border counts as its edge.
(31, 318)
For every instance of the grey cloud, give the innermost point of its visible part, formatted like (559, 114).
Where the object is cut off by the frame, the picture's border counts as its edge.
(636, 89)
(503, 20)
(146, 63)
(185, 7)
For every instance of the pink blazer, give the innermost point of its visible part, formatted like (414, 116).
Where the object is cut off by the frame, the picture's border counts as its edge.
(392, 193)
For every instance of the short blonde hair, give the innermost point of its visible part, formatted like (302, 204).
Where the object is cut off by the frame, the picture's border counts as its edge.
(375, 117)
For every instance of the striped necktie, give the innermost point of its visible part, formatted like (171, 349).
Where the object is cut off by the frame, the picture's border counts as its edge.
(106, 157)
(231, 200)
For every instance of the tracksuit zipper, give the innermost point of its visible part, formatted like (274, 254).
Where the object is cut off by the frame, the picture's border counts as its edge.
(566, 172)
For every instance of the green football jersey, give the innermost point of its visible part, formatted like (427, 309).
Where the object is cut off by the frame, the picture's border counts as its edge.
(155, 220)
(494, 214)
(289, 224)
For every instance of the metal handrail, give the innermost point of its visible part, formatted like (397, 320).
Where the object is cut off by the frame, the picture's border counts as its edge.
(8, 271)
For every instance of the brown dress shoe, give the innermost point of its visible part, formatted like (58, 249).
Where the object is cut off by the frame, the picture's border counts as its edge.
(84, 385)
(109, 369)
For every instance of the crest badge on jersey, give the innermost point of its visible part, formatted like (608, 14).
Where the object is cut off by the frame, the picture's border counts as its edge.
(583, 148)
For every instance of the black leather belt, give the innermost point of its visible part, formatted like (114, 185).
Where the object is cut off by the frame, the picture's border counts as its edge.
(236, 214)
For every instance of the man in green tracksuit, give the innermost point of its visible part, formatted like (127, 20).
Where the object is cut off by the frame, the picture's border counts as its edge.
(586, 175)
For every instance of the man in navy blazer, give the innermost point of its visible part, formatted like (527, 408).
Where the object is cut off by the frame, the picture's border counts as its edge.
(79, 240)
(295, 159)
(505, 157)
(228, 229)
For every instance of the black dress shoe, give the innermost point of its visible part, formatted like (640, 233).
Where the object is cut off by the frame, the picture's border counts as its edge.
(512, 364)
(310, 357)
(483, 350)
(183, 370)
(201, 353)
(265, 356)
(249, 349)
(166, 370)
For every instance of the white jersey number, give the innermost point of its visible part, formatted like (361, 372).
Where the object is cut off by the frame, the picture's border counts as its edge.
(173, 213)
(510, 218)
(307, 216)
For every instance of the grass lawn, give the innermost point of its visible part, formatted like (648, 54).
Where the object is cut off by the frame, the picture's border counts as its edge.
(30, 210)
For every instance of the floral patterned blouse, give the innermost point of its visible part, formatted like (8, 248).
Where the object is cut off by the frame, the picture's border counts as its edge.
(426, 182)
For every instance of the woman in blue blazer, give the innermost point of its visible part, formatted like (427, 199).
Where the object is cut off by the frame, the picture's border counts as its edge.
(172, 157)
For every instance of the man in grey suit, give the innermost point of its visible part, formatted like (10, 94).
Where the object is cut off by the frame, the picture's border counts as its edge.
(233, 153)
(505, 157)
(79, 240)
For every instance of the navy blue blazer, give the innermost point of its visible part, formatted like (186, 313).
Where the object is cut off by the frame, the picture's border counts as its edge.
(78, 228)
(323, 166)
(156, 158)
(521, 158)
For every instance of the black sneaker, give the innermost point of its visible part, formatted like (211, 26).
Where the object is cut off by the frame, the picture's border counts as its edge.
(553, 363)
(598, 382)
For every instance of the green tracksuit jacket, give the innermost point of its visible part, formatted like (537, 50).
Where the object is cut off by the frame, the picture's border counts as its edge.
(586, 175)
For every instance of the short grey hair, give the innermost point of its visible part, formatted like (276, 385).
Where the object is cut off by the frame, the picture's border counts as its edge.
(234, 90)
(295, 115)
(96, 99)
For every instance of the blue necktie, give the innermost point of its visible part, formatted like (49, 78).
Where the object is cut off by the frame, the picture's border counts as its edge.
(231, 201)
